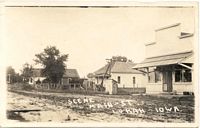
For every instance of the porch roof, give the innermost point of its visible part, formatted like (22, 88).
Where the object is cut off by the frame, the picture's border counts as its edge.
(164, 60)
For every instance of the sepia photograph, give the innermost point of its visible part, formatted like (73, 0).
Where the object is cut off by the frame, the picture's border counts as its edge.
(101, 64)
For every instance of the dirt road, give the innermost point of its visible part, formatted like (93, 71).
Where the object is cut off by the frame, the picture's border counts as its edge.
(62, 107)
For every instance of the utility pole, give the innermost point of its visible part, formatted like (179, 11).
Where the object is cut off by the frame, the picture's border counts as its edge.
(109, 64)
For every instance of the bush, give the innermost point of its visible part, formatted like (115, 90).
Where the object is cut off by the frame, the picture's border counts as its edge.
(27, 87)
(21, 86)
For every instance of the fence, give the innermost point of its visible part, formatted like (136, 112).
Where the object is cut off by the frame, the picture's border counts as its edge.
(131, 90)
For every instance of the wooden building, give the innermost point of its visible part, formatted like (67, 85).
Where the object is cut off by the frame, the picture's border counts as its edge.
(120, 73)
(169, 61)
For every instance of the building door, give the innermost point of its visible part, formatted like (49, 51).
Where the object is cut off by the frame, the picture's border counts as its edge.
(167, 81)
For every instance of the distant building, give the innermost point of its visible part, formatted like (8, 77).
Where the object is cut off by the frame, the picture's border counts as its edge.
(91, 77)
(169, 61)
(37, 76)
(120, 72)
(70, 76)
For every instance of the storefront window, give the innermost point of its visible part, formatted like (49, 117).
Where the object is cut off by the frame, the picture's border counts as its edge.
(151, 77)
(178, 76)
(154, 76)
(187, 76)
(183, 75)
(157, 76)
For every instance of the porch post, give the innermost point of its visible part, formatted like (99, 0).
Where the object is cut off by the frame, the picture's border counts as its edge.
(193, 78)
(173, 75)
(147, 75)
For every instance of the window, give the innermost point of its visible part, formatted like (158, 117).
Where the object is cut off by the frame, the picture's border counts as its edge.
(157, 76)
(70, 80)
(133, 80)
(154, 76)
(187, 75)
(178, 76)
(183, 75)
(119, 79)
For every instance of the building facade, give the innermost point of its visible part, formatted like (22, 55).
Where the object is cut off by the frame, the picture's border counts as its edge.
(169, 61)
(120, 73)
(37, 76)
(69, 78)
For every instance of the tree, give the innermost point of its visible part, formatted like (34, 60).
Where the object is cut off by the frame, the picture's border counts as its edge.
(119, 58)
(18, 78)
(90, 75)
(10, 74)
(53, 62)
(27, 72)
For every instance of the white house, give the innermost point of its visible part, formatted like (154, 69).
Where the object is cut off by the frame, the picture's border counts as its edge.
(120, 73)
(169, 61)
(36, 76)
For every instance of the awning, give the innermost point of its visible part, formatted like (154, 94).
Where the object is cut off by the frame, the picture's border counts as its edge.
(164, 60)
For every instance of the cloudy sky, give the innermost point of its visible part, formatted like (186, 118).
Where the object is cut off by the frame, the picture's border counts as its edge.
(88, 35)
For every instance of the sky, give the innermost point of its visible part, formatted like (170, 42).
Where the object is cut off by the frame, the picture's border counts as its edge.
(88, 35)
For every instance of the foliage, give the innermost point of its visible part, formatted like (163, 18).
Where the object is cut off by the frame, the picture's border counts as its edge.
(10, 73)
(12, 76)
(90, 75)
(27, 72)
(10, 70)
(119, 58)
(100, 88)
(18, 78)
(53, 62)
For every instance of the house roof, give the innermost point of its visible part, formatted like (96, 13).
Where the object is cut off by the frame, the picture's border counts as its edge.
(117, 67)
(164, 60)
(37, 72)
(72, 73)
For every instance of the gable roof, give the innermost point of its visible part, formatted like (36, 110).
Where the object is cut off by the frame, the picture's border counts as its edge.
(37, 72)
(72, 73)
(118, 67)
